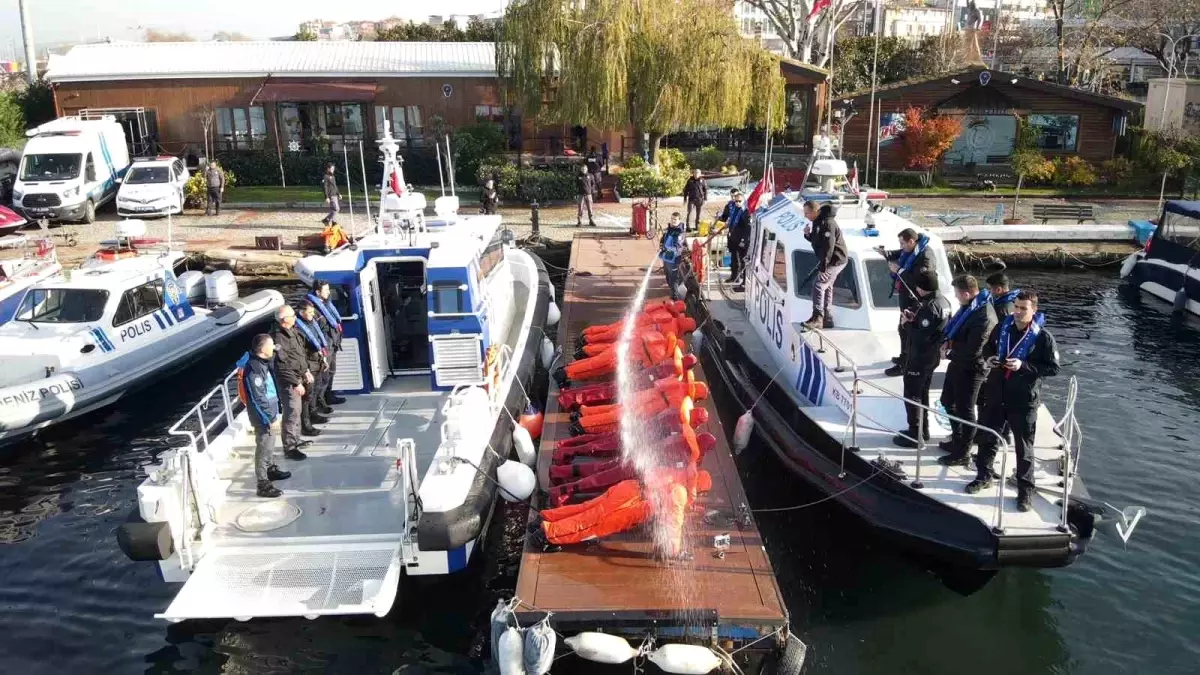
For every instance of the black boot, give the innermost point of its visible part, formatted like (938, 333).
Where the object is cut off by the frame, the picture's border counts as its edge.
(980, 483)
(1024, 499)
(310, 431)
(814, 321)
(897, 360)
(275, 473)
(828, 322)
(294, 454)
(315, 418)
(906, 440)
(949, 445)
(956, 458)
(560, 377)
(334, 399)
(266, 490)
(324, 408)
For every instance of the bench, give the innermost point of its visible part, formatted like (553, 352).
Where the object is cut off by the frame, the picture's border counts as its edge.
(1076, 212)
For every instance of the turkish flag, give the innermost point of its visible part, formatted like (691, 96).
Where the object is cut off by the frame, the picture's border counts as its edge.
(817, 7)
(397, 189)
(765, 186)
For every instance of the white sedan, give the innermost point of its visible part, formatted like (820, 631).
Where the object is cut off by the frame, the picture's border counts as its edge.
(153, 187)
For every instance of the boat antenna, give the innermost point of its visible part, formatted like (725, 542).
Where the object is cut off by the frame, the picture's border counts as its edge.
(349, 187)
(449, 165)
(362, 163)
(441, 178)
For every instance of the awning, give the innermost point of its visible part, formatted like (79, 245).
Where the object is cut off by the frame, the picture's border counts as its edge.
(313, 92)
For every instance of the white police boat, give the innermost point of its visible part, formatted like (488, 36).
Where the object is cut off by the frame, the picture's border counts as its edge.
(36, 261)
(442, 328)
(829, 412)
(80, 341)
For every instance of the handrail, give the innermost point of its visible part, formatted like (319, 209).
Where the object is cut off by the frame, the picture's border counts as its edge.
(838, 352)
(1072, 434)
(838, 355)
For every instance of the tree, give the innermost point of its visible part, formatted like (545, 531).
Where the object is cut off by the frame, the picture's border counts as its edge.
(481, 31)
(305, 35)
(37, 103)
(899, 60)
(206, 115)
(808, 40)
(157, 35)
(231, 36)
(1092, 28)
(925, 140)
(1027, 161)
(12, 121)
(1176, 18)
(655, 65)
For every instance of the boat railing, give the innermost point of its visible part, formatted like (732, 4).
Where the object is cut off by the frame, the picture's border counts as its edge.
(1071, 433)
(855, 413)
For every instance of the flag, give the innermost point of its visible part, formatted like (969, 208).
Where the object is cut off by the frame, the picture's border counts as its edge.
(767, 184)
(818, 5)
(854, 179)
(397, 189)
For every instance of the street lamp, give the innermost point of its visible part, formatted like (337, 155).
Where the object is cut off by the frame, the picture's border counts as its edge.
(1162, 118)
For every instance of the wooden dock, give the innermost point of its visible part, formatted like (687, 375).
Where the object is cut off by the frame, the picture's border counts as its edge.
(616, 584)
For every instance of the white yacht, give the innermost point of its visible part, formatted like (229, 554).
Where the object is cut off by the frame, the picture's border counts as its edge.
(80, 341)
(442, 325)
(829, 411)
(1169, 267)
(30, 260)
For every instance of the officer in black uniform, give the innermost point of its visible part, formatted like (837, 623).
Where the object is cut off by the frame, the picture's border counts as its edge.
(915, 262)
(967, 334)
(1003, 295)
(1021, 353)
(926, 320)
(292, 378)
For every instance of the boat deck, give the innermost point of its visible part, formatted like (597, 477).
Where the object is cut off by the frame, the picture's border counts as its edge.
(882, 416)
(617, 584)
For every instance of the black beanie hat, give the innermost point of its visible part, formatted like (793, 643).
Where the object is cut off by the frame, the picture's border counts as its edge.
(928, 281)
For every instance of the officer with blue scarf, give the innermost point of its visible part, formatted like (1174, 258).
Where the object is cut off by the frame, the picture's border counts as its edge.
(966, 334)
(1003, 296)
(927, 320)
(257, 385)
(736, 219)
(1021, 352)
(907, 263)
(318, 363)
(671, 249)
(330, 321)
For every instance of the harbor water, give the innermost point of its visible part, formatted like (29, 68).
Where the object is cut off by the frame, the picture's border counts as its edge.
(71, 602)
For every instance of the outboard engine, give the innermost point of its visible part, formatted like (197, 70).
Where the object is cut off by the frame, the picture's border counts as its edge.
(220, 288)
(192, 285)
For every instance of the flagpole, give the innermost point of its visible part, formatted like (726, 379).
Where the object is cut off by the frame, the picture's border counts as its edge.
(878, 143)
(874, 79)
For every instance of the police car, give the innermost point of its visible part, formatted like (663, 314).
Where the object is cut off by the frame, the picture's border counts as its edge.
(153, 186)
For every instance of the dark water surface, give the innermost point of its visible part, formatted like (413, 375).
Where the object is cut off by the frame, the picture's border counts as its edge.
(71, 602)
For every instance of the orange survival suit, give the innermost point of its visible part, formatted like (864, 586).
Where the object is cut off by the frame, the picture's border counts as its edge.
(649, 349)
(659, 312)
(667, 393)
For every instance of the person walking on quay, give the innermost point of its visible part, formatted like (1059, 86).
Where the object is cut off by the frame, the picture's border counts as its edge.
(906, 263)
(332, 197)
(585, 188)
(736, 219)
(1021, 352)
(291, 377)
(671, 249)
(593, 165)
(256, 388)
(1003, 296)
(214, 178)
(318, 363)
(829, 246)
(490, 198)
(927, 321)
(966, 335)
(695, 193)
(330, 321)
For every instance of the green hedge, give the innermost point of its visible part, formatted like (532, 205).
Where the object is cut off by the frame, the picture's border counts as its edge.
(647, 182)
(527, 184)
(261, 167)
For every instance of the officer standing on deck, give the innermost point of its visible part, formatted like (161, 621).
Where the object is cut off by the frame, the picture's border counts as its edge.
(966, 334)
(1021, 352)
(736, 219)
(318, 364)
(906, 263)
(926, 320)
(330, 321)
(1003, 296)
(292, 378)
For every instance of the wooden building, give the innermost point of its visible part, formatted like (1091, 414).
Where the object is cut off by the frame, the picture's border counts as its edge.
(1067, 121)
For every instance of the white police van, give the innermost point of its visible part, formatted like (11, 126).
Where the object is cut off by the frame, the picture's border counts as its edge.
(70, 168)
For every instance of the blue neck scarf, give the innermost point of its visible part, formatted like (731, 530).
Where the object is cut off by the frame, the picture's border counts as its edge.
(735, 214)
(327, 310)
(960, 317)
(312, 333)
(1008, 297)
(671, 245)
(1006, 350)
(907, 259)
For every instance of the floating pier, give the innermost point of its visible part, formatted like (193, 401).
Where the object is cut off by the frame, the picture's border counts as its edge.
(727, 599)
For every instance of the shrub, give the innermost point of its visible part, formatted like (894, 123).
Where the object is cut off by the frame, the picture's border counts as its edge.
(708, 158)
(1074, 171)
(899, 180)
(634, 162)
(1117, 171)
(261, 167)
(672, 159)
(1030, 166)
(12, 121)
(528, 185)
(646, 182)
(195, 191)
(474, 145)
(925, 140)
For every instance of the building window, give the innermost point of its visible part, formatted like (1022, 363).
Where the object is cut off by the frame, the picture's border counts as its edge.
(405, 123)
(1056, 132)
(319, 127)
(489, 113)
(241, 128)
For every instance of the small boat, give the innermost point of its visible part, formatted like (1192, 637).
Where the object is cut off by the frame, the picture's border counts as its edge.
(37, 262)
(1169, 266)
(81, 341)
(824, 405)
(726, 181)
(10, 221)
(442, 326)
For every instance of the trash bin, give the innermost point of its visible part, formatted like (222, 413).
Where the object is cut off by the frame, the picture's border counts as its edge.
(641, 216)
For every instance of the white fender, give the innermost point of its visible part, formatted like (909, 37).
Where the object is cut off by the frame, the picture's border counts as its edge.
(742, 432)
(547, 352)
(697, 341)
(510, 658)
(1129, 264)
(1181, 300)
(499, 624)
(539, 647)
(523, 442)
(552, 314)
(601, 647)
(517, 481)
(685, 659)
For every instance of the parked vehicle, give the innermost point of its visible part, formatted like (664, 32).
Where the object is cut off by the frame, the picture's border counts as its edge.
(153, 187)
(70, 168)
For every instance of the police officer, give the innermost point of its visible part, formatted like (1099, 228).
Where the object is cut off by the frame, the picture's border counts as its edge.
(927, 319)
(1021, 352)
(214, 177)
(966, 335)
(318, 364)
(736, 219)
(262, 407)
(907, 263)
(671, 250)
(829, 246)
(292, 379)
(331, 324)
(1003, 296)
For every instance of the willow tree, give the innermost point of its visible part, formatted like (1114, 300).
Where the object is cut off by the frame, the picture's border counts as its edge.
(653, 65)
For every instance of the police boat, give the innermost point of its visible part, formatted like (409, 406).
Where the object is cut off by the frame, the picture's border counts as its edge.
(82, 340)
(34, 260)
(829, 412)
(1169, 266)
(443, 325)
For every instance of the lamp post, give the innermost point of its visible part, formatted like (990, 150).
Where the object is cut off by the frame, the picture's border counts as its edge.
(1162, 118)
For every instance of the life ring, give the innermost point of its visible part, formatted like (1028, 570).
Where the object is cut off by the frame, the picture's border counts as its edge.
(111, 254)
(697, 261)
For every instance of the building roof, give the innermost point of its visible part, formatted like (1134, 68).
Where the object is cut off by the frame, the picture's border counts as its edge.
(173, 60)
(969, 78)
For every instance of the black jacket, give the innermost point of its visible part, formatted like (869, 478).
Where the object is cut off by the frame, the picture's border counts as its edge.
(1003, 309)
(330, 186)
(924, 262)
(966, 349)
(1022, 389)
(332, 336)
(490, 200)
(827, 241)
(291, 360)
(585, 185)
(736, 218)
(695, 190)
(925, 332)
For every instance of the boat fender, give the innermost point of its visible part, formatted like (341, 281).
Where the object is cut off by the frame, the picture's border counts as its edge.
(685, 659)
(697, 341)
(601, 647)
(539, 647)
(547, 352)
(552, 314)
(1181, 298)
(791, 661)
(500, 621)
(1128, 265)
(516, 480)
(742, 432)
(523, 442)
(533, 421)
(145, 542)
(510, 658)
(681, 291)
(552, 292)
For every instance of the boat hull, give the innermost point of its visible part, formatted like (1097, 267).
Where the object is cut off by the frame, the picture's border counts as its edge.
(1172, 283)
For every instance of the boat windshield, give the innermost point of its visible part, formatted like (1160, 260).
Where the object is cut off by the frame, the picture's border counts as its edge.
(52, 166)
(881, 284)
(63, 305)
(140, 175)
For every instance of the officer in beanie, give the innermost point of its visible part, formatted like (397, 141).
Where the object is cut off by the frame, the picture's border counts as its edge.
(925, 321)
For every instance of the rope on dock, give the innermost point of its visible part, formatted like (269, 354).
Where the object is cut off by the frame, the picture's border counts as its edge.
(821, 500)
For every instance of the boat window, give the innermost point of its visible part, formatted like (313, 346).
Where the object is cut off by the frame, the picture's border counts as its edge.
(766, 251)
(55, 166)
(139, 175)
(845, 288)
(881, 283)
(138, 302)
(1181, 229)
(492, 256)
(447, 298)
(63, 305)
(340, 297)
(779, 269)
